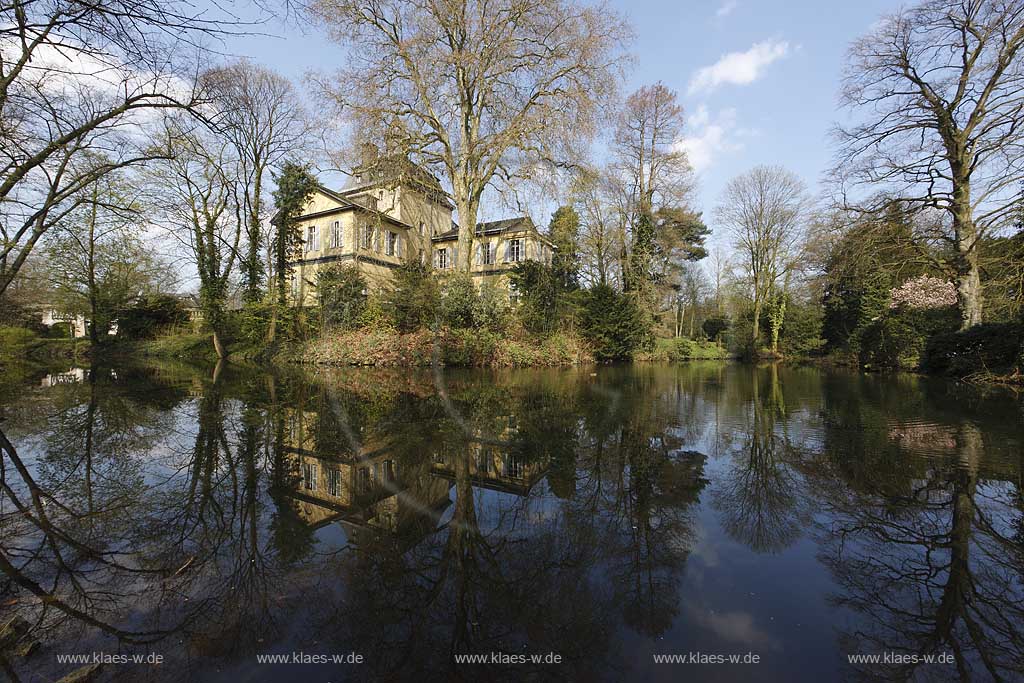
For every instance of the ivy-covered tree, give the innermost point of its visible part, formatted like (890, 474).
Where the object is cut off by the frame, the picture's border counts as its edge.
(341, 290)
(564, 231)
(295, 185)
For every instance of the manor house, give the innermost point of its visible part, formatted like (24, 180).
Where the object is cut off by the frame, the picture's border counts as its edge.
(394, 213)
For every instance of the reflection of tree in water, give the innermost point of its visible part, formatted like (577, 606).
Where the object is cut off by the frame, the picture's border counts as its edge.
(924, 552)
(494, 577)
(528, 572)
(638, 488)
(761, 496)
(94, 546)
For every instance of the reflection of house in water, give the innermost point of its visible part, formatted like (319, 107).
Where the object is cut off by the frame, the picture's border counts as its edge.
(72, 376)
(494, 463)
(369, 491)
(365, 491)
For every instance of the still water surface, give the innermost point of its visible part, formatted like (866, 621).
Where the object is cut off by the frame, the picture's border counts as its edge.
(601, 516)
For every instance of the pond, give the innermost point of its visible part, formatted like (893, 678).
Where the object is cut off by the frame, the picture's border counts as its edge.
(754, 523)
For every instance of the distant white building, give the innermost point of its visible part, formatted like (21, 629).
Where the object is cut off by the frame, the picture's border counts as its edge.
(75, 322)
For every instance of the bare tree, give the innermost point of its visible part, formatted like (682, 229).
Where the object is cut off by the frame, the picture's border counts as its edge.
(601, 226)
(96, 260)
(656, 178)
(763, 209)
(79, 84)
(941, 87)
(646, 150)
(262, 115)
(487, 91)
(197, 188)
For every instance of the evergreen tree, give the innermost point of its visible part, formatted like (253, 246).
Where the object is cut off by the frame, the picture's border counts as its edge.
(564, 231)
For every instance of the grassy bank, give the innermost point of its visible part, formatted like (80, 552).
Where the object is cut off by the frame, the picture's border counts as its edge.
(20, 345)
(467, 348)
(680, 349)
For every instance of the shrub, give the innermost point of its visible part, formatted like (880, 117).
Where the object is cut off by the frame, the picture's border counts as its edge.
(16, 342)
(989, 348)
(341, 291)
(412, 300)
(14, 314)
(374, 316)
(613, 324)
(253, 323)
(458, 301)
(540, 289)
(715, 326)
(491, 308)
(801, 330)
(149, 316)
(898, 337)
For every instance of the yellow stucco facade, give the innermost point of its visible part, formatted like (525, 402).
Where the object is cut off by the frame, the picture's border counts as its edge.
(378, 227)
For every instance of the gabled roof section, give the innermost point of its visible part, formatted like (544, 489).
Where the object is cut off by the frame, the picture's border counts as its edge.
(491, 228)
(347, 204)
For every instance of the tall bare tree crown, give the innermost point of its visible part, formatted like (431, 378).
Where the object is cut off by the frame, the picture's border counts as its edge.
(483, 92)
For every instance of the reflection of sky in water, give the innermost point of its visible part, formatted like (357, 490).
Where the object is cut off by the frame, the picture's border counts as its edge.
(798, 514)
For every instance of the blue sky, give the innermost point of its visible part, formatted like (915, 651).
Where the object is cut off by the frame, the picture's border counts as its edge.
(758, 79)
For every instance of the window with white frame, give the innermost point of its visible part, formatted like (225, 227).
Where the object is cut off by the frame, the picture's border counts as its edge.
(442, 258)
(334, 482)
(391, 244)
(312, 239)
(368, 237)
(515, 251)
(486, 254)
(513, 467)
(364, 479)
(336, 235)
(309, 476)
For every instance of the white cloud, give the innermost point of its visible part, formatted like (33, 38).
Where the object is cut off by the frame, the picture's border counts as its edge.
(711, 137)
(726, 8)
(738, 68)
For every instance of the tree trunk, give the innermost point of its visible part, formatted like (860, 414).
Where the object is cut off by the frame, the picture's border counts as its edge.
(218, 345)
(253, 255)
(968, 287)
(94, 338)
(467, 230)
(757, 322)
(968, 276)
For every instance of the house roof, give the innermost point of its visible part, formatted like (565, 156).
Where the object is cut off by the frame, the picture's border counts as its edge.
(347, 204)
(487, 229)
(396, 169)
